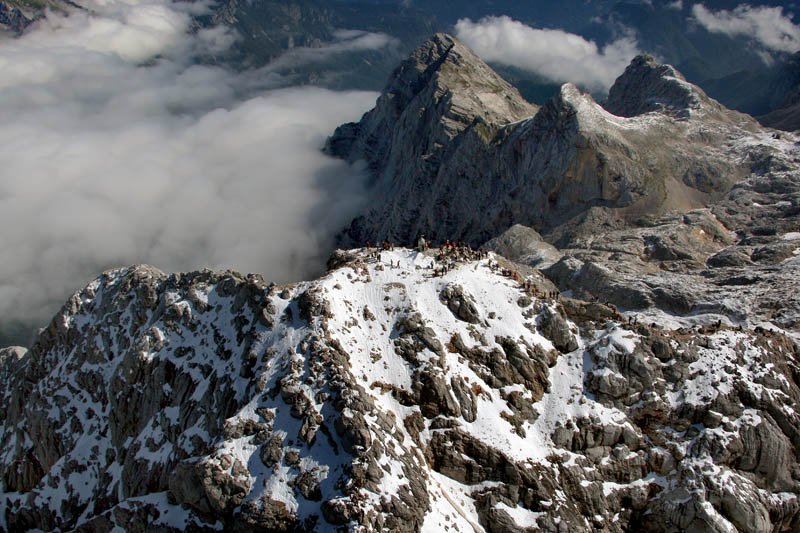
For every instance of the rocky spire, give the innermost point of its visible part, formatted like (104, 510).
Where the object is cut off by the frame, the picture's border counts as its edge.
(436, 93)
(647, 85)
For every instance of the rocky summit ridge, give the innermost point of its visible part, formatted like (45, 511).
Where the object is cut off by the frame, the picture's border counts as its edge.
(443, 87)
(391, 395)
(660, 144)
(648, 86)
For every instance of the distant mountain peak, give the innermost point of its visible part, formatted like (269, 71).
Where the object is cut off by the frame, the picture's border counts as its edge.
(435, 50)
(456, 153)
(444, 70)
(439, 91)
(417, 70)
(450, 69)
(647, 85)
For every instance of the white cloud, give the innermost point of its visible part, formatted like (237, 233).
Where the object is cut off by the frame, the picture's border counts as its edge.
(676, 5)
(134, 31)
(345, 41)
(555, 54)
(116, 149)
(769, 26)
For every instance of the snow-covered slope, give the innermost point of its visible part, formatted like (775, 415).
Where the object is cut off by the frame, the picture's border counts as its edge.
(387, 396)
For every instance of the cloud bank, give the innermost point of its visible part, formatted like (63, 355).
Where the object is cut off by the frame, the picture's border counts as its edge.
(554, 54)
(344, 41)
(769, 26)
(116, 148)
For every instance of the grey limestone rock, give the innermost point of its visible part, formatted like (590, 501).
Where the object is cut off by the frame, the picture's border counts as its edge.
(311, 305)
(466, 398)
(648, 86)
(208, 489)
(433, 394)
(555, 328)
(471, 171)
(264, 514)
(524, 245)
(733, 256)
(340, 258)
(461, 303)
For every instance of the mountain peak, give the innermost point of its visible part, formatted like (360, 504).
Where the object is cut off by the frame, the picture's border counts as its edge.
(445, 68)
(647, 85)
(436, 93)
(435, 49)
(417, 70)
(449, 159)
(433, 57)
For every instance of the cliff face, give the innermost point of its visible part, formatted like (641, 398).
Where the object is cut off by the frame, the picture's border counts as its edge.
(384, 396)
(469, 178)
(441, 107)
(431, 98)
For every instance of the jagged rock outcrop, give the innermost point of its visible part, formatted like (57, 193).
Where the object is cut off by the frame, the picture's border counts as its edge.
(12, 19)
(524, 245)
(461, 303)
(672, 148)
(441, 105)
(439, 93)
(382, 396)
(648, 86)
(735, 261)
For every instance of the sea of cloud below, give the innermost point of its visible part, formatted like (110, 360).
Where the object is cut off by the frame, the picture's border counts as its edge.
(118, 147)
